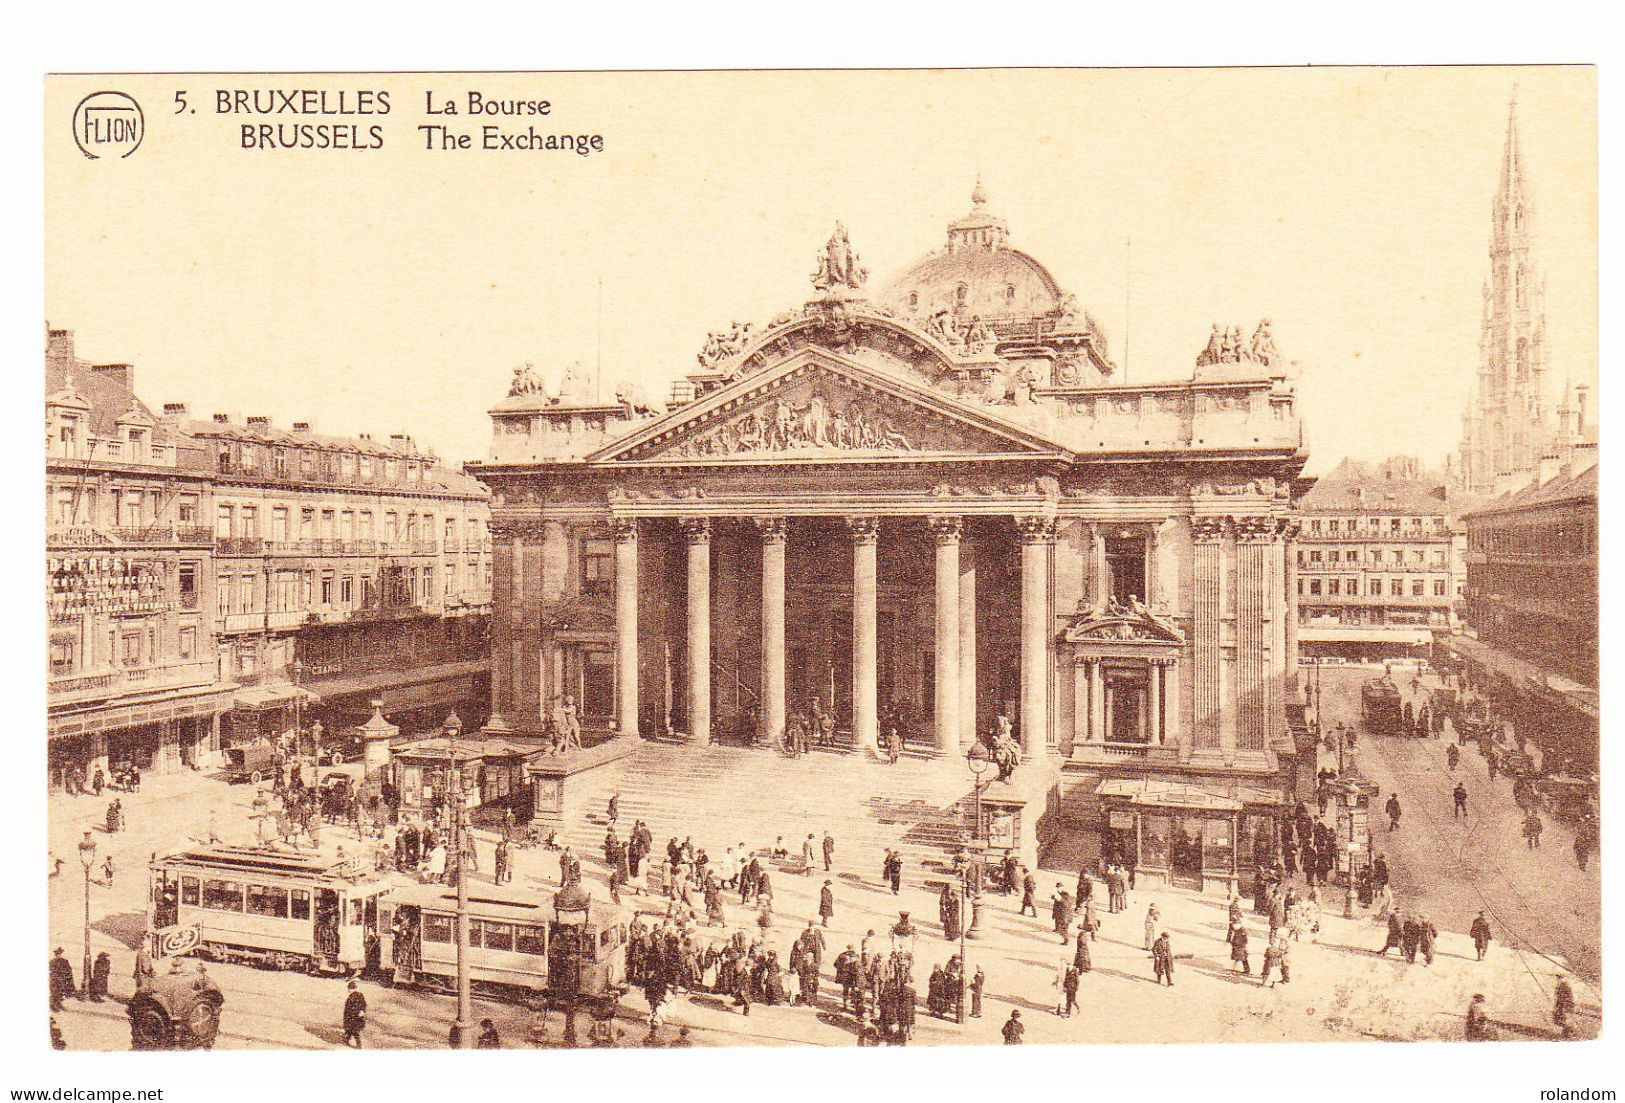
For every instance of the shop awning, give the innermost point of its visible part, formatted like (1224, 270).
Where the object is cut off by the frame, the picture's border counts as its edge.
(267, 697)
(397, 686)
(1167, 794)
(1343, 633)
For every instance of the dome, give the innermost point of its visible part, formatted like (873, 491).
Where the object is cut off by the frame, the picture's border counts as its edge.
(976, 274)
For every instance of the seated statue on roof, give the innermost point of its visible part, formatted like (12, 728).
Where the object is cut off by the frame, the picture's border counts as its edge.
(838, 265)
(575, 386)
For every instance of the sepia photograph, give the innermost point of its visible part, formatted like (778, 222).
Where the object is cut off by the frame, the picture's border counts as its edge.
(868, 558)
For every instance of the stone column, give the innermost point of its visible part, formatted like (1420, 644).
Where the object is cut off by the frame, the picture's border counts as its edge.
(1037, 535)
(1097, 701)
(1153, 565)
(626, 623)
(967, 644)
(865, 634)
(1207, 607)
(774, 531)
(1097, 562)
(1289, 552)
(698, 531)
(1153, 726)
(946, 711)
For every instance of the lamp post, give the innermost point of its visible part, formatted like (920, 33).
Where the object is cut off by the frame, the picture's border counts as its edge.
(971, 894)
(454, 804)
(87, 858)
(571, 909)
(1350, 796)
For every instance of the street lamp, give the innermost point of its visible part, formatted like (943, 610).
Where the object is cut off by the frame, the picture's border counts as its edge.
(978, 760)
(567, 948)
(1351, 796)
(87, 858)
(454, 806)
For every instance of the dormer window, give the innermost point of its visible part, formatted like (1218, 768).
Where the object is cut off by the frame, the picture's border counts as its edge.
(913, 300)
(1010, 293)
(962, 294)
(68, 436)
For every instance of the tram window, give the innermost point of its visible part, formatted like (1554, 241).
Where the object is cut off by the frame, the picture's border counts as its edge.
(224, 896)
(498, 936)
(437, 928)
(299, 900)
(263, 900)
(529, 940)
(355, 913)
(189, 890)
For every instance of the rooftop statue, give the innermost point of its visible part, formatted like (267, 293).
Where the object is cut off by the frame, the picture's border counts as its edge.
(721, 346)
(1263, 347)
(838, 265)
(575, 385)
(525, 381)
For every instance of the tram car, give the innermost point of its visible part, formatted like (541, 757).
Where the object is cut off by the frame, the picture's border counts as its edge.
(1380, 710)
(519, 944)
(175, 1011)
(315, 911)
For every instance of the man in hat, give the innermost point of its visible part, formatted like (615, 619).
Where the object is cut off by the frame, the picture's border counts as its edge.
(355, 1016)
(1481, 935)
(1478, 1020)
(826, 903)
(61, 975)
(1013, 1030)
(1162, 960)
(829, 851)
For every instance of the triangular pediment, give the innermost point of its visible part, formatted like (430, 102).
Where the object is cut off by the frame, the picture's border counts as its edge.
(818, 407)
(1119, 624)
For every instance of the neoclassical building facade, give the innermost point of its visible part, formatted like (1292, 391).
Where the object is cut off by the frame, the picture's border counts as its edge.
(931, 509)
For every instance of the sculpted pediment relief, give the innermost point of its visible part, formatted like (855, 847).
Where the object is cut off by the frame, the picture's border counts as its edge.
(1113, 623)
(818, 410)
(583, 613)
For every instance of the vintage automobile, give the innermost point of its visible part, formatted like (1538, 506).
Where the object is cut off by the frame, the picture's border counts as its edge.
(179, 1010)
(251, 762)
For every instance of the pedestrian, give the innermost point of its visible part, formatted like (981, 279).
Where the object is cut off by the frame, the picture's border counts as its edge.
(1532, 828)
(977, 981)
(1392, 808)
(107, 871)
(1238, 948)
(101, 971)
(61, 977)
(1069, 989)
(1459, 794)
(1452, 756)
(1091, 920)
(1152, 915)
(57, 1040)
(1029, 890)
(1013, 1030)
(1410, 936)
(144, 968)
(504, 859)
(488, 1037)
(1277, 956)
(1061, 912)
(829, 851)
(1426, 935)
(1479, 1027)
(1563, 1006)
(614, 810)
(355, 1016)
(826, 903)
(1080, 952)
(1481, 935)
(1396, 934)
(807, 857)
(1162, 960)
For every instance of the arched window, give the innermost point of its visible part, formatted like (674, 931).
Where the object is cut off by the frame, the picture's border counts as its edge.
(913, 299)
(962, 293)
(1009, 292)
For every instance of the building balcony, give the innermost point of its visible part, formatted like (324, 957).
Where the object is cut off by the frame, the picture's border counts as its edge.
(77, 688)
(1122, 754)
(84, 536)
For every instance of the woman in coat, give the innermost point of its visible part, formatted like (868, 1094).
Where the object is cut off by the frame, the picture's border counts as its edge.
(1152, 917)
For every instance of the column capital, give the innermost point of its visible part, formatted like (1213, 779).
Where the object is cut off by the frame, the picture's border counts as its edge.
(1036, 529)
(625, 529)
(773, 530)
(1256, 530)
(1208, 530)
(696, 529)
(1290, 527)
(863, 530)
(947, 529)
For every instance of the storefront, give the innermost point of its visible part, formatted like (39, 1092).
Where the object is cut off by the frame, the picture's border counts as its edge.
(267, 712)
(1180, 835)
(493, 773)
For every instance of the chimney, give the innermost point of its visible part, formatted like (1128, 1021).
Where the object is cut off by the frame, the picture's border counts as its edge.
(122, 374)
(302, 426)
(222, 419)
(59, 346)
(403, 441)
(260, 424)
(175, 411)
(1581, 393)
(1547, 470)
(365, 436)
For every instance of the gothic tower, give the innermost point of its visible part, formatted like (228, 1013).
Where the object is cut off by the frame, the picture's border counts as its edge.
(1507, 428)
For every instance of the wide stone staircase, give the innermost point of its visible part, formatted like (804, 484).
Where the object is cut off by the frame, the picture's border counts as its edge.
(722, 796)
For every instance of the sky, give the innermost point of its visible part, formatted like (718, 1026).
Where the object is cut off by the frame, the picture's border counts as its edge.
(395, 290)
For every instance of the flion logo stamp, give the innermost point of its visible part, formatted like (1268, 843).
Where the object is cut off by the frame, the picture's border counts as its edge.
(108, 124)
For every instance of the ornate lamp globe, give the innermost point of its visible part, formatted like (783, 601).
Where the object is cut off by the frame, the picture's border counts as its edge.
(453, 726)
(904, 935)
(87, 851)
(571, 904)
(977, 758)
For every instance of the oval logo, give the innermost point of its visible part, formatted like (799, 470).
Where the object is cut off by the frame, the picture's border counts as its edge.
(108, 124)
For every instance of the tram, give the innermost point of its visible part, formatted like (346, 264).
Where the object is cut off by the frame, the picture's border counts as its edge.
(520, 944)
(1381, 712)
(313, 911)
